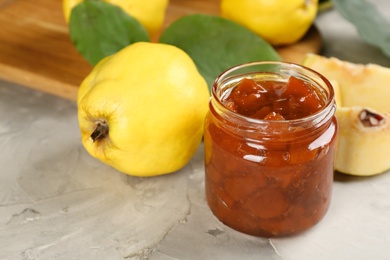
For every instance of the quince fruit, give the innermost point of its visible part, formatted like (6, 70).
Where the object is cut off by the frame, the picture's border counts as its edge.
(279, 22)
(150, 14)
(363, 109)
(142, 109)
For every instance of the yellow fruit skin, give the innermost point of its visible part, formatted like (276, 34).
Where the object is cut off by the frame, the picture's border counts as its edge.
(361, 150)
(155, 102)
(150, 14)
(279, 22)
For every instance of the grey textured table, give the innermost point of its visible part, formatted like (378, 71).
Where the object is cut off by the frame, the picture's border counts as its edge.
(57, 202)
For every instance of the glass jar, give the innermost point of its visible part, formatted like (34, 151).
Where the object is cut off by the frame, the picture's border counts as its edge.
(265, 177)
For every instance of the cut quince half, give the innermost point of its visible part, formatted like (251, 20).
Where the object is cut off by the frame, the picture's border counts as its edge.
(363, 112)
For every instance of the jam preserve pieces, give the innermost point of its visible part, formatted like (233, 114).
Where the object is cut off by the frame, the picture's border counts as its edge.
(272, 100)
(269, 148)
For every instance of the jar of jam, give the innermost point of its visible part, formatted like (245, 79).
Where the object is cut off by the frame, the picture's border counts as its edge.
(269, 148)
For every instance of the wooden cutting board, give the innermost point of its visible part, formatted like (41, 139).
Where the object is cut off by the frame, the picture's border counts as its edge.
(36, 51)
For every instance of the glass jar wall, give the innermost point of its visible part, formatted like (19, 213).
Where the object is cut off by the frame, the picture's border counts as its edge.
(269, 177)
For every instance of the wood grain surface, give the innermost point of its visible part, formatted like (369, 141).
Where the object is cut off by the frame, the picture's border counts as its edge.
(36, 51)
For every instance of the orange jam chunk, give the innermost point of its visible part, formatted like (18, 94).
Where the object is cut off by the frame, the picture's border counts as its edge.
(272, 100)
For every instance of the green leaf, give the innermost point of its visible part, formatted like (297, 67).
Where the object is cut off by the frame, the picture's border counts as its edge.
(216, 44)
(99, 29)
(369, 22)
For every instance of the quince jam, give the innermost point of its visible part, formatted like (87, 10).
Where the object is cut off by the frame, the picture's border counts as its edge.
(269, 151)
(270, 100)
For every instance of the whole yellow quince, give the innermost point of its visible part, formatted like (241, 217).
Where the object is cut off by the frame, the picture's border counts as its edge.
(150, 14)
(142, 109)
(279, 22)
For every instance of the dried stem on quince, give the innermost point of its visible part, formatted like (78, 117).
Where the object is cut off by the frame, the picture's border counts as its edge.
(100, 132)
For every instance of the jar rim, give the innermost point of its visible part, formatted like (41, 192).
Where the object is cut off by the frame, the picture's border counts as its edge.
(293, 67)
